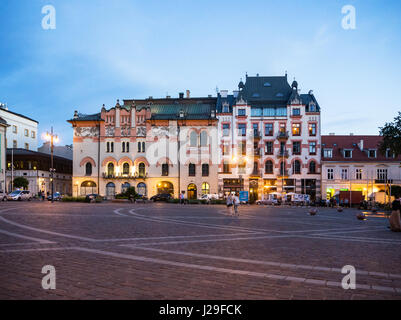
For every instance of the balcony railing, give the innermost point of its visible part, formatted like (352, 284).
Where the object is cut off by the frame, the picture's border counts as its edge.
(283, 154)
(124, 176)
(283, 135)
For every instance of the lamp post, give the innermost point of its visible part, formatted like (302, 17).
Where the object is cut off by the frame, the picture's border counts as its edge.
(51, 137)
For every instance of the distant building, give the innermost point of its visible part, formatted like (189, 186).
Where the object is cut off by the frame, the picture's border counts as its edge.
(61, 151)
(35, 167)
(355, 163)
(23, 131)
(3, 129)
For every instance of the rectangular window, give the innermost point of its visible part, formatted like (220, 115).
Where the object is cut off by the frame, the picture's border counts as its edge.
(242, 148)
(165, 169)
(241, 113)
(372, 154)
(26, 133)
(269, 129)
(382, 174)
(312, 148)
(226, 130)
(27, 146)
(389, 154)
(296, 148)
(328, 153)
(330, 174)
(269, 147)
(15, 129)
(344, 174)
(312, 129)
(226, 167)
(123, 147)
(256, 112)
(33, 134)
(226, 150)
(296, 129)
(348, 154)
(242, 129)
(281, 112)
(296, 112)
(255, 128)
(358, 174)
(15, 144)
(269, 112)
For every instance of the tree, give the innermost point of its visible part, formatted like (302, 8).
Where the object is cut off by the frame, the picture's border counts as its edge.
(21, 182)
(391, 133)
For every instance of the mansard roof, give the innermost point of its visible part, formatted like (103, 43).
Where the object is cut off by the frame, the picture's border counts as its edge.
(229, 100)
(172, 111)
(87, 117)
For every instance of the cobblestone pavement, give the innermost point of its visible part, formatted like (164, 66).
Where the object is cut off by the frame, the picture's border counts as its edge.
(168, 251)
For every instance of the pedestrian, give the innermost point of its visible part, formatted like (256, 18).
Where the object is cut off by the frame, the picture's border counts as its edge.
(395, 223)
(236, 203)
(181, 198)
(229, 202)
(40, 195)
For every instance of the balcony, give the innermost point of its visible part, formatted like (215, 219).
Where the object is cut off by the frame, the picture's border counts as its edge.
(105, 175)
(283, 135)
(283, 154)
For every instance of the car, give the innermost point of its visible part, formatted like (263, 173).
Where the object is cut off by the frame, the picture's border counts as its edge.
(3, 196)
(274, 202)
(161, 197)
(210, 197)
(19, 195)
(57, 197)
(92, 197)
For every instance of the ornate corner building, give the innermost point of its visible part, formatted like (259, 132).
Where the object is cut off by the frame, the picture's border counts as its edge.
(155, 145)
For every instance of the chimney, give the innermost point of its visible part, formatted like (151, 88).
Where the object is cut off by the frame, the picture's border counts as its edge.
(209, 95)
(332, 134)
(351, 134)
(360, 145)
(181, 95)
(188, 94)
(168, 97)
(224, 93)
(75, 114)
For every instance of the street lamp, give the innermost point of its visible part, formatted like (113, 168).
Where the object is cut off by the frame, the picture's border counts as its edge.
(51, 137)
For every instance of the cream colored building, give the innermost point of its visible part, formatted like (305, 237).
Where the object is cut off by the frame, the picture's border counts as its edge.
(3, 149)
(155, 145)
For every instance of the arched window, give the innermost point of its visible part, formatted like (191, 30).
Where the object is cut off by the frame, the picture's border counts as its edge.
(111, 146)
(110, 169)
(142, 170)
(125, 187)
(191, 170)
(88, 187)
(192, 192)
(123, 147)
(165, 169)
(126, 168)
(269, 167)
(312, 167)
(296, 167)
(193, 139)
(127, 146)
(165, 187)
(142, 189)
(108, 147)
(203, 139)
(205, 188)
(88, 169)
(110, 189)
(205, 170)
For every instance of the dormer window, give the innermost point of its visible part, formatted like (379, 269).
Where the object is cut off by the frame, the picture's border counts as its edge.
(296, 112)
(389, 154)
(267, 84)
(348, 154)
(256, 95)
(312, 107)
(372, 153)
(327, 153)
(279, 94)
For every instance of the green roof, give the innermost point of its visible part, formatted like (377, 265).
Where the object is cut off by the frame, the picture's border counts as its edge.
(172, 111)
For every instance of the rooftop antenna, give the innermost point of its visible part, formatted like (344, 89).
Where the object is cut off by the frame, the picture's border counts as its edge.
(217, 89)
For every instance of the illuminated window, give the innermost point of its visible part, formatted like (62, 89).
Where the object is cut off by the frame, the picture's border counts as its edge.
(205, 188)
(312, 129)
(296, 129)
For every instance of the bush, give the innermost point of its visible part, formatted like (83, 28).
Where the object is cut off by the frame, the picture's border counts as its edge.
(218, 202)
(73, 199)
(174, 201)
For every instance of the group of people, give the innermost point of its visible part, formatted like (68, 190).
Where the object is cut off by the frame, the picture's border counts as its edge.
(232, 204)
(395, 223)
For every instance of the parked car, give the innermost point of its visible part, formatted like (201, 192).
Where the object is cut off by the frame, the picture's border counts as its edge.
(19, 195)
(161, 197)
(93, 196)
(210, 197)
(3, 196)
(274, 202)
(57, 197)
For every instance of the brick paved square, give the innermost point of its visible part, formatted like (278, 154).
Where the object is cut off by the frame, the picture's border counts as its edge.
(168, 251)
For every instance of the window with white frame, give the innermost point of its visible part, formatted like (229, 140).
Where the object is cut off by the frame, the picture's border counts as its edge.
(348, 154)
(344, 174)
(330, 174)
(358, 174)
(328, 153)
(381, 174)
(372, 153)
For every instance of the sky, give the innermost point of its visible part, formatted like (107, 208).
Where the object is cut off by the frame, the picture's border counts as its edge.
(102, 50)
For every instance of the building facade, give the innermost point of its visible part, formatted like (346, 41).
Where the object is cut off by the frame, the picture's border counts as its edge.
(61, 151)
(270, 139)
(22, 132)
(3, 148)
(155, 145)
(35, 167)
(355, 163)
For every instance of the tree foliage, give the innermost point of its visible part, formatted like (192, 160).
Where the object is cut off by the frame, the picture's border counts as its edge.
(391, 133)
(21, 182)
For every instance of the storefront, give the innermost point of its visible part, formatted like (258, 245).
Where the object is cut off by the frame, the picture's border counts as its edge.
(233, 185)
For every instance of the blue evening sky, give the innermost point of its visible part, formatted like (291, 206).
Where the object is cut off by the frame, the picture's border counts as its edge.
(104, 50)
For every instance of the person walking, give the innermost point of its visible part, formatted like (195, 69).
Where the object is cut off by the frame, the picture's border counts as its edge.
(236, 203)
(395, 223)
(229, 202)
